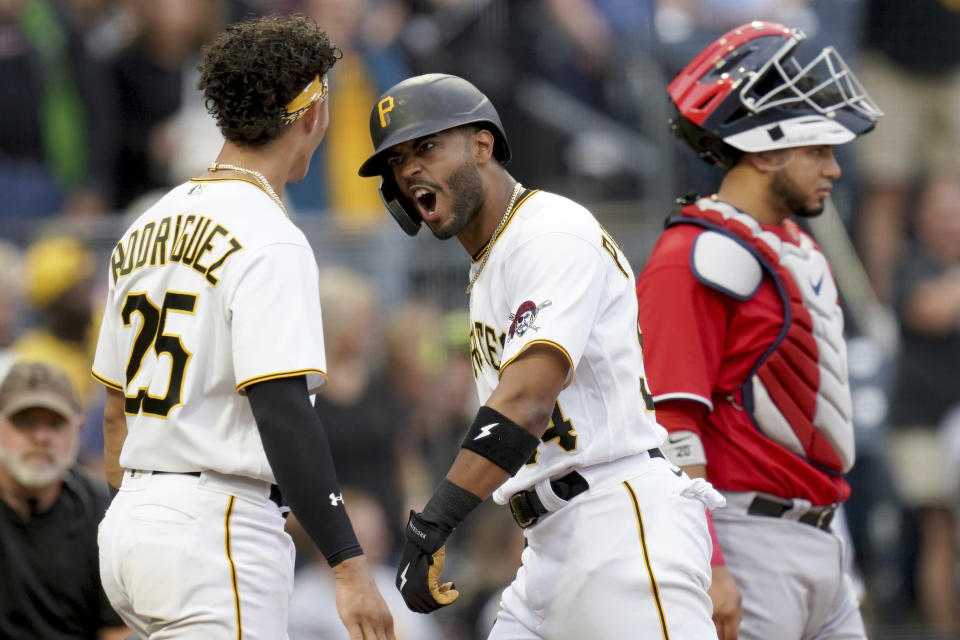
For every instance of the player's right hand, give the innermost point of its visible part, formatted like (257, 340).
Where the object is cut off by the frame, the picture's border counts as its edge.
(421, 563)
(727, 604)
(359, 603)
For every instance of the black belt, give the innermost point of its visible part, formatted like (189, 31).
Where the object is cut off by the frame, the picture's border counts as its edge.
(275, 496)
(774, 507)
(527, 508)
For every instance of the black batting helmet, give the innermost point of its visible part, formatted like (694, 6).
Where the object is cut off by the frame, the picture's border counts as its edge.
(415, 108)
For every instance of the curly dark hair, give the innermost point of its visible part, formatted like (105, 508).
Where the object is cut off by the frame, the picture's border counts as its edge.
(254, 68)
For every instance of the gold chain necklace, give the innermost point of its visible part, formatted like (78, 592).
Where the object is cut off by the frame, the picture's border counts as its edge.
(517, 188)
(258, 177)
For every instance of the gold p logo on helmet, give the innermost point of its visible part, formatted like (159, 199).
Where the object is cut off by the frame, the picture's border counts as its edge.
(384, 107)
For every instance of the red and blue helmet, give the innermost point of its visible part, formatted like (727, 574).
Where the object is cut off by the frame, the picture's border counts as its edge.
(746, 92)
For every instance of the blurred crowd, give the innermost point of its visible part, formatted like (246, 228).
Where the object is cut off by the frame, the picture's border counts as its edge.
(101, 115)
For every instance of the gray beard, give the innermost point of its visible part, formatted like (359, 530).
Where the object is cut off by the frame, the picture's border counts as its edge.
(37, 476)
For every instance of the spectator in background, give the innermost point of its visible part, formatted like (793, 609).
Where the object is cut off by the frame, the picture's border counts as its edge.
(155, 84)
(927, 301)
(312, 612)
(415, 357)
(11, 292)
(49, 513)
(367, 32)
(58, 272)
(453, 399)
(54, 135)
(912, 64)
(600, 54)
(104, 25)
(568, 74)
(368, 421)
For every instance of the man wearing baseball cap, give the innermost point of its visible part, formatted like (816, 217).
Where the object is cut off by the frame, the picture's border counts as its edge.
(49, 512)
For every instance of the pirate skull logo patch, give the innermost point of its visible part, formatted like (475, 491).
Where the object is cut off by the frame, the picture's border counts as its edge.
(524, 317)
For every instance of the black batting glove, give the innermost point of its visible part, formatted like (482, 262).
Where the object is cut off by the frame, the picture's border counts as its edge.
(421, 563)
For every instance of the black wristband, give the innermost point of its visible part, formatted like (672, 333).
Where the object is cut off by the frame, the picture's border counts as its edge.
(500, 440)
(449, 505)
(427, 536)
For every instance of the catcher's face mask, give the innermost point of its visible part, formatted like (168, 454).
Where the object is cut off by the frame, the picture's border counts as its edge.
(746, 92)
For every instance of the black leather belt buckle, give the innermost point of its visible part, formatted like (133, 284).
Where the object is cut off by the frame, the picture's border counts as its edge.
(775, 507)
(524, 513)
(770, 506)
(819, 517)
(527, 508)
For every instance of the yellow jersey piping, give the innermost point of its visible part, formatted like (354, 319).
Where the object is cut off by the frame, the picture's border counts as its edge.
(503, 365)
(276, 376)
(479, 255)
(106, 381)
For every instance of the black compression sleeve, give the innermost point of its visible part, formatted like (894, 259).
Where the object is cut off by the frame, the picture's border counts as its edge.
(299, 454)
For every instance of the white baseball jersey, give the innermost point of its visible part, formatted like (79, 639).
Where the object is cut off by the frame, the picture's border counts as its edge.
(555, 276)
(211, 290)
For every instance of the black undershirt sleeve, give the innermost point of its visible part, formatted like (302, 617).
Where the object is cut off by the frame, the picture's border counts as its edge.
(299, 454)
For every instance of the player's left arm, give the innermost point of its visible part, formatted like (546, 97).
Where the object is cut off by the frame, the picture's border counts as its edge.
(561, 272)
(503, 436)
(526, 394)
(114, 434)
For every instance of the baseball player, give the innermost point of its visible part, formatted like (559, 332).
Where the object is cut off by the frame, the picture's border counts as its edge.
(209, 347)
(617, 543)
(744, 335)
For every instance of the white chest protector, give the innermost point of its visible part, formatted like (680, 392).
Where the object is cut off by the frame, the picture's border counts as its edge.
(798, 393)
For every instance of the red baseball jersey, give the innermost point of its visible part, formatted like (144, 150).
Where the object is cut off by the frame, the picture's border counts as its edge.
(700, 346)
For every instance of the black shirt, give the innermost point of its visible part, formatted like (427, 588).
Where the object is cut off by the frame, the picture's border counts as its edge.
(919, 35)
(927, 364)
(49, 569)
(364, 438)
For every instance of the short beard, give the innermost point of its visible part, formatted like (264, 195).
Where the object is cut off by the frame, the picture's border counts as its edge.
(785, 190)
(466, 189)
(38, 476)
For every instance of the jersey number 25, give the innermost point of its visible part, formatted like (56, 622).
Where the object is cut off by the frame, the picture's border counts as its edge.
(151, 335)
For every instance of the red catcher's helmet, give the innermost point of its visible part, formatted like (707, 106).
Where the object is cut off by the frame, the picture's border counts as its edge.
(746, 93)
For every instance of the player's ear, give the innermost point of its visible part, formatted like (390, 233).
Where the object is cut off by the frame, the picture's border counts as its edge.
(483, 142)
(311, 118)
(760, 161)
(317, 116)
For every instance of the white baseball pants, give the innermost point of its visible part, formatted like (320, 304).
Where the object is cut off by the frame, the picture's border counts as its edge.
(628, 558)
(183, 556)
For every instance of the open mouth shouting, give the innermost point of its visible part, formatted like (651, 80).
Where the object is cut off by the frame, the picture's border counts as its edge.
(426, 202)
